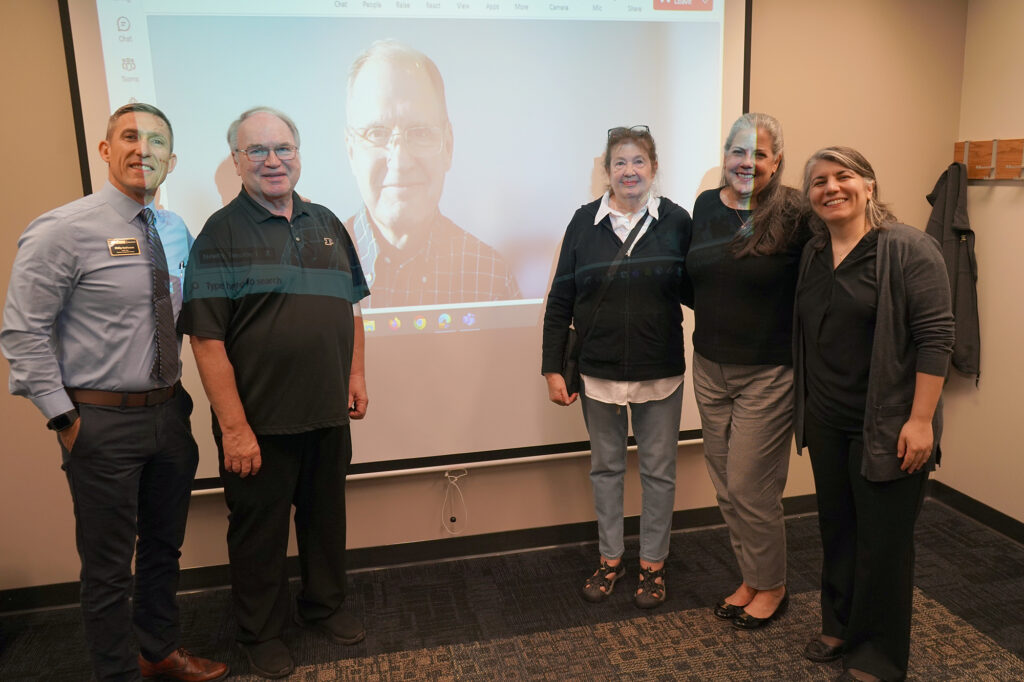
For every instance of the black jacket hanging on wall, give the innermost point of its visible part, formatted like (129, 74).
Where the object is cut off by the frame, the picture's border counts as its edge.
(949, 224)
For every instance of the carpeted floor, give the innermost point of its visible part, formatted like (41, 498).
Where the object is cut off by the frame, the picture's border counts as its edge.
(518, 616)
(680, 645)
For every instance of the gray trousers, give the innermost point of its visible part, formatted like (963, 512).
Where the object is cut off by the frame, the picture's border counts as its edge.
(746, 414)
(656, 427)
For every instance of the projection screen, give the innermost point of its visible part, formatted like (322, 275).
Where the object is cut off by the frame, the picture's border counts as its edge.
(530, 90)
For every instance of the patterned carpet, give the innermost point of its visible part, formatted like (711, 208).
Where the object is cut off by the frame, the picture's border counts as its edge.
(683, 645)
(518, 617)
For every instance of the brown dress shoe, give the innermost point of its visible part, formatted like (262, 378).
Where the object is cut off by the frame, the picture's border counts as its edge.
(183, 665)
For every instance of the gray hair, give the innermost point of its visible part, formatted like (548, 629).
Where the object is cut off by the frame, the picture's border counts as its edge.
(138, 108)
(393, 51)
(877, 213)
(774, 221)
(233, 128)
(753, 121)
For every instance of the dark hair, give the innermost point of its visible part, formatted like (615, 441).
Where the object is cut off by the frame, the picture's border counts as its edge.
(774, 220)
(638, 135)
(876, 212)
(138, 108)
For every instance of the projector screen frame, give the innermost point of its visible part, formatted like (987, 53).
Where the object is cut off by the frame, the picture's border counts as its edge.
(393, 466)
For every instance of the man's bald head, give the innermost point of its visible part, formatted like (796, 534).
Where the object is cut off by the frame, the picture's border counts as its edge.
(397, 53)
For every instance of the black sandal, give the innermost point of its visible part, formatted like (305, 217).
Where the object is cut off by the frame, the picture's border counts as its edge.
(649, 593)
(599, 585)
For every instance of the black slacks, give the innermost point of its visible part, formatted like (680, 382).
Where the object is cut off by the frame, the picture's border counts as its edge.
(130, 472)
(306, 470)
(867, 534)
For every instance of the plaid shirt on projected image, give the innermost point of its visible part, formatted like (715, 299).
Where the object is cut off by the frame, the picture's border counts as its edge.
(452, 266)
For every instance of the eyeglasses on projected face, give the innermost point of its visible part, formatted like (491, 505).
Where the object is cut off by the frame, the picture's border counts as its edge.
(259, 154)
(623, 131)
(417, 140)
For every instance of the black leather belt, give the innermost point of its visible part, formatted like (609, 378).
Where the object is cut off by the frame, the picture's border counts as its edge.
(88, 396)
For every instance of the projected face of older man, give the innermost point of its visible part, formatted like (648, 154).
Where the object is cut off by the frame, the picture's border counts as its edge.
(399, 144)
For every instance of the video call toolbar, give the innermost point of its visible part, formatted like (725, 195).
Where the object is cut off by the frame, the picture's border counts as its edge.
(617, 10)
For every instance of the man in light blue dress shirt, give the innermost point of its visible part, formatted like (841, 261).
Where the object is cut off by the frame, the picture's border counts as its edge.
(79, 330)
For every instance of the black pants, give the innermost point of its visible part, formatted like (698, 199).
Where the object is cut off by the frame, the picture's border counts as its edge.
(867, 534)
(130, 472)
(306, 470)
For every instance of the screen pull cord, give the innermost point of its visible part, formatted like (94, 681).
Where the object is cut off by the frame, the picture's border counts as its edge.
(454, 515)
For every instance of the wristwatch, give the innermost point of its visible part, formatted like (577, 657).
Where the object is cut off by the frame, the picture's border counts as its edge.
(62, 421)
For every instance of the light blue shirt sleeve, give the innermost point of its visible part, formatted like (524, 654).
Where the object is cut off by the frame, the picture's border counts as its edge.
(177, 242)
(42, 278)
(79, 309)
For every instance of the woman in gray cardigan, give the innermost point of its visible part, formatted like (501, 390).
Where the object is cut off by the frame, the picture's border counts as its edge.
(873, 332)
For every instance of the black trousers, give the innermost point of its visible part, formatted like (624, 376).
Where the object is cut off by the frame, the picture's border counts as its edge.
(130, 472)
(306, 470)
(867, 534)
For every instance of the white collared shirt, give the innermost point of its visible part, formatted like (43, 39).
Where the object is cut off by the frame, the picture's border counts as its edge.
(623, 223)
(621, 392)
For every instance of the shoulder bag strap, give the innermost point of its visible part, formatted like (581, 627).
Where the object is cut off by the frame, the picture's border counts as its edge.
(613, 267)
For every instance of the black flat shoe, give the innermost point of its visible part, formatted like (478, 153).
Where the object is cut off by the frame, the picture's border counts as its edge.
(745, 621)
(848, 676)
(819, 652)
(727, 611)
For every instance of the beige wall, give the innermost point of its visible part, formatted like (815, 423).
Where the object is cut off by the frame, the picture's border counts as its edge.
(36, 532)
(891, 97)
(982, 447)
(882, 76)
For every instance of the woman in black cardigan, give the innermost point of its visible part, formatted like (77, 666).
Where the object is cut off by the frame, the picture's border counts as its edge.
(873, 333)
(630, 324)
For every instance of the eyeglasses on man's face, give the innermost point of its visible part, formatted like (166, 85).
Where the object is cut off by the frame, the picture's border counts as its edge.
(259, 153)
(418, 140)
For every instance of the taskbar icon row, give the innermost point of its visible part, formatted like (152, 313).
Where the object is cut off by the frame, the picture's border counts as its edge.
(421, 322)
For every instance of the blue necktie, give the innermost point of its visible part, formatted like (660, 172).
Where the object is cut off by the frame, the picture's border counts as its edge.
(165, 357)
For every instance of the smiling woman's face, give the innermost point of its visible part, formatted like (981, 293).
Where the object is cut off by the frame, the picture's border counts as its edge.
(837, 194)
(750, 163)
(630, 172)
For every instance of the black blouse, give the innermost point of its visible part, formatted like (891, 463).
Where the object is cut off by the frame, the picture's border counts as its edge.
(838, 310)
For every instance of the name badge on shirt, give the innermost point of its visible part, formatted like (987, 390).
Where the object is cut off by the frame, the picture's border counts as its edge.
(125, 246)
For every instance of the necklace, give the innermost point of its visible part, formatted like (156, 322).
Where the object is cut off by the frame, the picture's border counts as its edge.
(728, 200)
(846, 246)
(743, 221)
(746, 227)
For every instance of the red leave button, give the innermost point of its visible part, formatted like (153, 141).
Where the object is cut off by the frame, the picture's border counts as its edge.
(684, 5)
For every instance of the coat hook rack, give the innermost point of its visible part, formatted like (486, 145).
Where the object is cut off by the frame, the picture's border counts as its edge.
(991, 159)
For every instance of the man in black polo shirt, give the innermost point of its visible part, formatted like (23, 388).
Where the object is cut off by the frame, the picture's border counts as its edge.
(272, 307)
